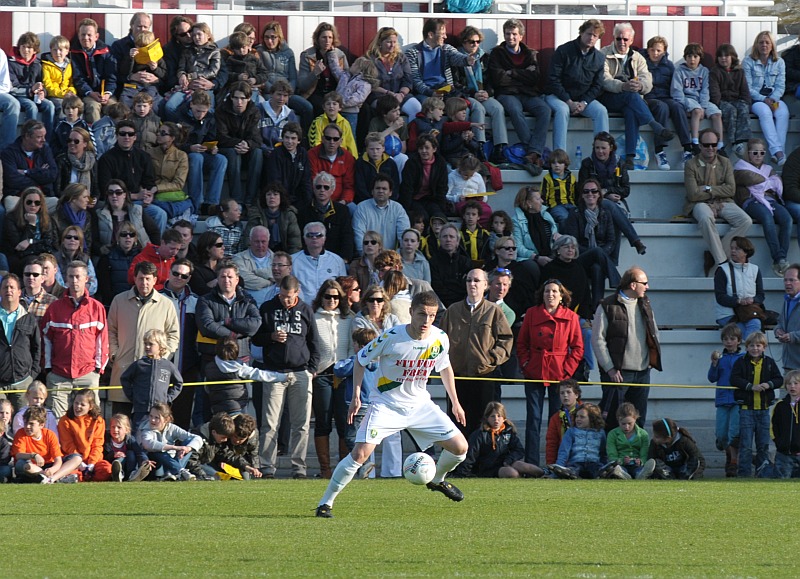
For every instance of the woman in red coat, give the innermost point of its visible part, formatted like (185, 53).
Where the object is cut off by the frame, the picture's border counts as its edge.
(549, 347)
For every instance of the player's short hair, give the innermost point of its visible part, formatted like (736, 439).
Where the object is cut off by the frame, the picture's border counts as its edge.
(424, 299)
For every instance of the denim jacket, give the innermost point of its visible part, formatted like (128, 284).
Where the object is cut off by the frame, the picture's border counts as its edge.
(773, 75)
(582, 445)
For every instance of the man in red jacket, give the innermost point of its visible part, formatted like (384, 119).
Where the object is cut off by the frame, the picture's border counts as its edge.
(162, 256)
(75, 337)
(332, 158)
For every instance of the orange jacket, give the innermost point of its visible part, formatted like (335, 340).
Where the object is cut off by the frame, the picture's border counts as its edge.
(83, 435)
(47, 447)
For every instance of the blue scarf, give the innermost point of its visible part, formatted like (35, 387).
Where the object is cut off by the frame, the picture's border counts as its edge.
(606, 171)
(273, 224)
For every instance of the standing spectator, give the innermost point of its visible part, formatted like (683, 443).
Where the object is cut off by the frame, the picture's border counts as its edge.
(210, 251)
(380, 214)
(49, 273)
(316, 79)
(625, 342)
(95, 70)
(626, 80)
(315, 264)
(788, 329)
(28, 162)
(36, 299)
(131, 316)
(9, 106)
(449, 266)
(161, 256)
(710, 189)
(75, 340)
(765, 72)
(240, 141)
(113, 266)
(20, 341)
(288, 335)
(480, 342)
(575, 81)
(514, 75)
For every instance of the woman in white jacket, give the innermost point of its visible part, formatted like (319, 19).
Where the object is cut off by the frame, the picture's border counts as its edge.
(334, 326)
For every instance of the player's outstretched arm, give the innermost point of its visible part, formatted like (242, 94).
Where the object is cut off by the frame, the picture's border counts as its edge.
(355, 402)
(449, 381)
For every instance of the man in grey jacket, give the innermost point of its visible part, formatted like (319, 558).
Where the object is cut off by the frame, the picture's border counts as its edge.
(788, 329)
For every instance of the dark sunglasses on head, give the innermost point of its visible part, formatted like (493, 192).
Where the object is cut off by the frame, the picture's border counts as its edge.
(34, 202)
(31, 274)
(127, 234)
(331, 139)
(181, 275)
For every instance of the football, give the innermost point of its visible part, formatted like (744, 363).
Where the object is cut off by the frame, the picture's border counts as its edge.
(419, 468)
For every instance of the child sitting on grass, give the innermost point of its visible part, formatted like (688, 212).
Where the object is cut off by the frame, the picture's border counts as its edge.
(583, 449)
(36, 395)
(628, 443)
(727, 419)
(37, 454)
(81, 432)
(169, 446)
(569, 392)
(244, 444)
(215, 450)
(495, 450)
(785, 429)
(673, 453)
(152, 378)
(233, 398)
(128, 460)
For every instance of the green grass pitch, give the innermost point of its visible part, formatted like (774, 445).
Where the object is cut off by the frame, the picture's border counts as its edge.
(392, 528)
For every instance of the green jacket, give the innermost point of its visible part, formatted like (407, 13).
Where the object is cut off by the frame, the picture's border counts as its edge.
(618, 446)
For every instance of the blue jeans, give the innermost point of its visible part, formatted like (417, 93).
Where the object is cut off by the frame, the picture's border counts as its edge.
(534, 405)
(5, 473)
(753, 423)
(328, 405)
(352, 118)
(787, 466)
(614, 396)
(516, 107)
(664, 109)
(216, 164)
(560, 213)
(778, 238)
(595, 111)
(588, 353)
(173, 209)
(156, 214)
(634, 110)
(254, 160)
(45, 111)
(304, 110)
(167, 463)
(622, 226)
(747, 327)
(727, 425)
(9, 113)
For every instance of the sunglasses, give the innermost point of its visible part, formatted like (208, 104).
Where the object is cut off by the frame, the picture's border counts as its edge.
(623, 39)
(708, 145)
(127, 234)
(370, 242)
(322, 187)
(74, 141)
(72, 237)
(472, 42)
(181, 275)
(509, 247)
(758, 153)
(314, 234)
(33, 202)
(219, 244)
(332, 139)
(116, 192)
(183, 34)
(31, 274)
(280, 265)
(331, 296)
(591, 191)
(375, 300)
(126, 133)
(356, 289)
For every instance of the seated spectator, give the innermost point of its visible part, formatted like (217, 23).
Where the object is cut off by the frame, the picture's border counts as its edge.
(352, 292)
(78, 164)
(534, 228)
(449, 267)
(200, 143)
(316, 263)
(570, 267)
(474, 237)
(240, 141)
(57, 73)
(210, 251)
(727, 88)
(49, 273)
(738, 284)
(457, 144)
(73, 208)
(35, 443)
(335, 160)
(276, 114)
(289, 166)
(171, 167)
(27, 162)
(140, 77)
(660, 102)
(315, 79)
(146, 121)
(611, 170)
(558, 189)
(72, 248)
(372, 162)
(162, 256)
(255, 265)
(104, 131)
(376, 311)
(759, 191)
(200, 60)
(395, 285)
(274, 212)
(463, 183)
(59, 136)
(424, 181)
(242, 62)
(415, 264)
(95, 70)
(626, 80)
(335, 216)
(180, 31)
(120, 48)
(28, 230)
(120, 209)
(230, 227)
(113, 266)
(25, 69)
(160, 437)
(380, 214)
(81, 433)
(363, 268)
(710, 190)
(394, 73)
(431, 120)
(389, 123)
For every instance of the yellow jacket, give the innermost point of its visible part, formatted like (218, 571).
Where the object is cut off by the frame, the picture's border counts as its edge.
(315, 133)
(56, 82)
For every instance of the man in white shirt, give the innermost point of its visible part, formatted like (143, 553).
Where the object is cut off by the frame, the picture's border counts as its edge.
(380, 214)
(314, 264)
(255, 265)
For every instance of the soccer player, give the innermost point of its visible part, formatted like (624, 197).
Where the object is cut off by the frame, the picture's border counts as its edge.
(407, 355)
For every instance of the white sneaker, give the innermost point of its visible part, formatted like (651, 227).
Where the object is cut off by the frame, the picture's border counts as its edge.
(116, 471)
(186, 475)
(620, 473)
(687, 156)
(647, 470)
(663, 164)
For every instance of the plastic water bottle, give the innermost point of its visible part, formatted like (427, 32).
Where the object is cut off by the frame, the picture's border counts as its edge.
(578, 156)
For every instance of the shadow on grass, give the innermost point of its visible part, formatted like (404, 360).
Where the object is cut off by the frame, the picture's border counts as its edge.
(86, 515)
